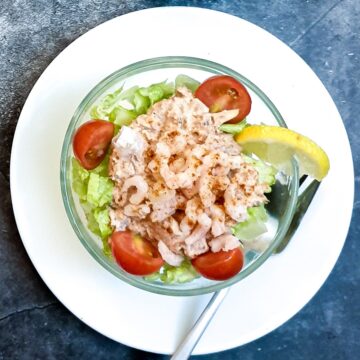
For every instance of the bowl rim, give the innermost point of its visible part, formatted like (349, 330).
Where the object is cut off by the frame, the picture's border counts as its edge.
(66, 187)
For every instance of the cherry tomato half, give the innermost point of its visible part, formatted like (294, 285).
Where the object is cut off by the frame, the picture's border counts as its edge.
(91, 142)
(135, 255)
(223, 92)
(221, 265)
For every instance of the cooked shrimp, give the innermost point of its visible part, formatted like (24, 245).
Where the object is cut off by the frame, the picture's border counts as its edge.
(180, 181)
(193, 209)
(178, 144)
(163, 204)
(158, 233)
(140, 211)
(217, 214)
(215, 158)
(211, 187)
(141, 186)
(236, 162)
(118, 219)
(207, 196)
(178, 165)
(234, 203)
(224, 116)
(196, 244)
(174, 181)
(171, 224)
(170, 257)
(224, 242)
(186, 225)
(190, 192)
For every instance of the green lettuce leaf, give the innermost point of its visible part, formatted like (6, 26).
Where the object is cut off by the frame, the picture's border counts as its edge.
(99, 190)
(175, 274)
(184, 80)
(129, 94)
(94, 189)
(80, 178)
(254, 226)
(106, 105)
(92, 223)
(98, 222)
(103, 168)
(103, 221)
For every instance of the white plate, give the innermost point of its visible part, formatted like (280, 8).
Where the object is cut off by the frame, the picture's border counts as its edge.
(257, 305)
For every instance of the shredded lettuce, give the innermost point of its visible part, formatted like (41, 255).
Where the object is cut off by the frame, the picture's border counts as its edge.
(234, 128)
(103, 220)
(102, 168)
(80, 178)
(128, 94)
(107, 104)
(122, 107)
(254, 226)
(99, 190)
(175, 274)
(98, 222)
(94, 189)
(184, 80)
(141, 103)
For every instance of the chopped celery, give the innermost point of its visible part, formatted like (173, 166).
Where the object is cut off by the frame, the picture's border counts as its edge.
(254, 226)
(233, 128)
(129, 94)
(157, 92)
(141, 103)
(121, 116)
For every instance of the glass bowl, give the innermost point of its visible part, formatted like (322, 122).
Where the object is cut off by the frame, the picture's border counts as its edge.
(144, 73)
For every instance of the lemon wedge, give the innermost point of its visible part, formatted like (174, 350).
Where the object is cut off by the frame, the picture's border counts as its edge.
(277, 145)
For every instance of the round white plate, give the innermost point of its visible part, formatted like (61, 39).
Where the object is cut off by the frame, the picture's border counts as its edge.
(257, 305)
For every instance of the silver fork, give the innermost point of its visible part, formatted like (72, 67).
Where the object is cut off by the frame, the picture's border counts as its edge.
(186, 347)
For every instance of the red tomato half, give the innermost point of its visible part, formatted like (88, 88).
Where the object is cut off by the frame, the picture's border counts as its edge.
(134, 254)
(223, 92)
(221, 265)
(91, 142)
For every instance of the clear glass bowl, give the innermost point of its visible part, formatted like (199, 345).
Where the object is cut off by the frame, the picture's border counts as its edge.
(284, 195)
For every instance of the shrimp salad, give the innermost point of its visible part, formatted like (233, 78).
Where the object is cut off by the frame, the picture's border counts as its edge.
(165, 185)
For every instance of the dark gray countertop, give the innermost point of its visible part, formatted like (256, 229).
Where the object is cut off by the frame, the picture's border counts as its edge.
(33, 324)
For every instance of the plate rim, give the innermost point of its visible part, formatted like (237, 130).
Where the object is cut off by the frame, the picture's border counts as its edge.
(16, 140)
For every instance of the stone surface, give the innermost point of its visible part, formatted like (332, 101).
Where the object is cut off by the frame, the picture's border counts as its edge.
(33, 324)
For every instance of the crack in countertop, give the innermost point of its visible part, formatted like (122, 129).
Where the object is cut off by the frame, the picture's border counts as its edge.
(313, 24)
(21, 311)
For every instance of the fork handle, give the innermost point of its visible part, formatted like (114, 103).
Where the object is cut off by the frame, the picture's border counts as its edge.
(186, 347)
